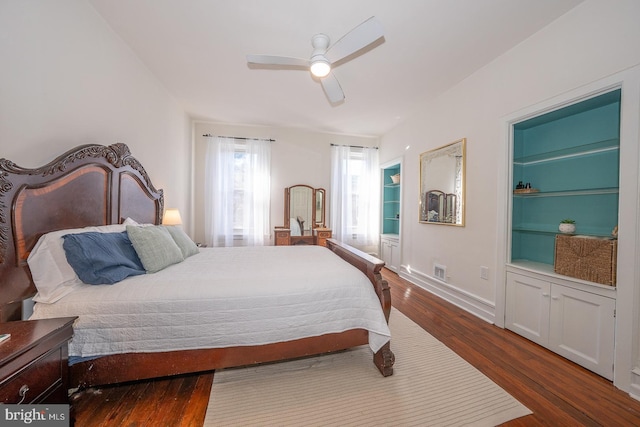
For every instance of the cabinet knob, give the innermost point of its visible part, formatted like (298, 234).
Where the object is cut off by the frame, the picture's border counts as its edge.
(23, 393)
(554, 298)
(544, 294)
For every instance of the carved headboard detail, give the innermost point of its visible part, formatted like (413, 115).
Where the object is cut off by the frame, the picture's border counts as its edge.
(88, 185)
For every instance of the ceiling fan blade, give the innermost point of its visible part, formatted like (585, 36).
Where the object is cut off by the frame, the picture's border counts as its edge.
(277, 60)
(361, 36)
(332, 88)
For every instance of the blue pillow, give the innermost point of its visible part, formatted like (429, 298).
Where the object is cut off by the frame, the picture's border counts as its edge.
(102, 258)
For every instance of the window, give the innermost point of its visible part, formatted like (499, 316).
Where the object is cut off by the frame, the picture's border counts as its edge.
(355, 196)
(240, 169)
(237, 191)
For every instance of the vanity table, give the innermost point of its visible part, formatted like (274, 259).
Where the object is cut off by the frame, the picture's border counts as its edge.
(283, 237)
(304, 217)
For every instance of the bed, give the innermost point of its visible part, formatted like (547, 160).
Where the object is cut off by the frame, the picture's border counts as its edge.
(107, 189)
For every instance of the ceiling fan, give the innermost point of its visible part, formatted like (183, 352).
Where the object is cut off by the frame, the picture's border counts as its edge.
(324, 57)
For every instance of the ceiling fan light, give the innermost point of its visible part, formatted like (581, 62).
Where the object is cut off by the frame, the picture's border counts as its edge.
(320, 68)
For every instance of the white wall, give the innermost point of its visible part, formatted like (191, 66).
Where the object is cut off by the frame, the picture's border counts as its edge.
(593, 41)
(66, 79)
(297, 157)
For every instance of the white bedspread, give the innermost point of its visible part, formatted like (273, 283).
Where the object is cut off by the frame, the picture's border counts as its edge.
(224, 297)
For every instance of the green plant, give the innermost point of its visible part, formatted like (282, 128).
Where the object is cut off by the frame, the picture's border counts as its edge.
(567, 221)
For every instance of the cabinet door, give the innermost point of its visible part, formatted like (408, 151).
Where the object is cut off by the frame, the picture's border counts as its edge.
(582, 328)
(389, 253)
(394, 250)
(527, 311)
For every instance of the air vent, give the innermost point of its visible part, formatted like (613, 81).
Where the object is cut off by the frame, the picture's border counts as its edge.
(440, 272)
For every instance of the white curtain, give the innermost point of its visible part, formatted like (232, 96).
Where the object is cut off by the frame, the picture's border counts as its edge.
(355, 196)
(237, 191)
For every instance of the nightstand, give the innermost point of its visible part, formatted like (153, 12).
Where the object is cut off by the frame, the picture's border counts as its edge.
(34, 361)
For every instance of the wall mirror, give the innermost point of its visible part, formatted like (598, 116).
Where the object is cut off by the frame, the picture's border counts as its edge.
(304, 209)
(442, 185)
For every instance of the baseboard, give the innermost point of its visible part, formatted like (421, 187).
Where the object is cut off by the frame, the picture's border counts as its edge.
(479, 307)
(634, 390)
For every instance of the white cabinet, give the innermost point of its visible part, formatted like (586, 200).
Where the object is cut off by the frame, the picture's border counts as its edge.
(574, 323)
(390, 252)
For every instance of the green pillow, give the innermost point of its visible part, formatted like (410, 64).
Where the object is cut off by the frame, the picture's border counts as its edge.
(155, 247)
(184, 242)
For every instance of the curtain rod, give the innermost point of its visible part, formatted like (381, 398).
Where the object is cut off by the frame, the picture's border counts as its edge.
(352, 146)
(239, 137)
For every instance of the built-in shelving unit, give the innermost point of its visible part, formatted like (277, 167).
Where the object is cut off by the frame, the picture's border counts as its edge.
(390, 214)
(568, 162)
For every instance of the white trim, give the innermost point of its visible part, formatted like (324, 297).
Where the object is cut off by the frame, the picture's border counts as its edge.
(634, 389)
(480, 307)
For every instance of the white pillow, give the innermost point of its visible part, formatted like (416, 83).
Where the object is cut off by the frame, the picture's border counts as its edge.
(51, 273)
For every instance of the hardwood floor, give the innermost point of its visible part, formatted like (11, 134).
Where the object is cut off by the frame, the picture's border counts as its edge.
(179, 401)
(558, 392)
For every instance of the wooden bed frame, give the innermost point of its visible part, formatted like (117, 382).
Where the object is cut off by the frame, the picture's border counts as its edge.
(102, 185)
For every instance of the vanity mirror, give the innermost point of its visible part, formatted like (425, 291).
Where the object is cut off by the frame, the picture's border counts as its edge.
(304, 212)
(320, 208)
(442, 185)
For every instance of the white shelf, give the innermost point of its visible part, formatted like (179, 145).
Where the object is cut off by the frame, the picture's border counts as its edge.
(567, 153)
(585, 192)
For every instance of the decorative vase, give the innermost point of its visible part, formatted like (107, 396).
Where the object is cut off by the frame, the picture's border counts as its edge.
(566, 228)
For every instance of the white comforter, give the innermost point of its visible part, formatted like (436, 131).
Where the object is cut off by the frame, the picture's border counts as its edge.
(224, 297)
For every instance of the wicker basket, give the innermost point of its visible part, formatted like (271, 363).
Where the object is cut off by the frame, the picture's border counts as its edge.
(587, 258)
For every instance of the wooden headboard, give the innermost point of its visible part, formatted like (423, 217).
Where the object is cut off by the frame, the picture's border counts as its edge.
(88, 185)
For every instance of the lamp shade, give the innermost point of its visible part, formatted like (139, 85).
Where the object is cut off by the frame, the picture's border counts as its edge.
(171, 217)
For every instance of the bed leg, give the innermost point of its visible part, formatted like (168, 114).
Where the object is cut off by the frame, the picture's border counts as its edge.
(384, 360)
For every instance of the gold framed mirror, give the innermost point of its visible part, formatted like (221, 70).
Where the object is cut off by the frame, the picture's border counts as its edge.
(442, 184)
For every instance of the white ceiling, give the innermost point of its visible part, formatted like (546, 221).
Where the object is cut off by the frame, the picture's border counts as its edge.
(197, 49)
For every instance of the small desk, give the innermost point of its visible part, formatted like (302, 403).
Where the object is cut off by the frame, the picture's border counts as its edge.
(34, 361)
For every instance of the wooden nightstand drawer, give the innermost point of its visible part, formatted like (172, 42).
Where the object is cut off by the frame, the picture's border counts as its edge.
(35, 381)
(35, 360)
(282, 236)
(321, 235)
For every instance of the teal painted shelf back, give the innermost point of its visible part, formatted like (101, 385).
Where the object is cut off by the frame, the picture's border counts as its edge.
(570, 157)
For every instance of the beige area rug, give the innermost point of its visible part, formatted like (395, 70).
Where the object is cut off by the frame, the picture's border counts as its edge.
(430, 386)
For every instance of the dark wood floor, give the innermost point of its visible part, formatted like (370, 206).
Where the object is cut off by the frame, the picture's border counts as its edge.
(558, 392)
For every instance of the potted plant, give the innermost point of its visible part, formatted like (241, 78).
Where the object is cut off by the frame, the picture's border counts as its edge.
(567, 226)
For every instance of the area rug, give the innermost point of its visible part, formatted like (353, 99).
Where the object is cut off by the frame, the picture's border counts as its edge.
(430, 386)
